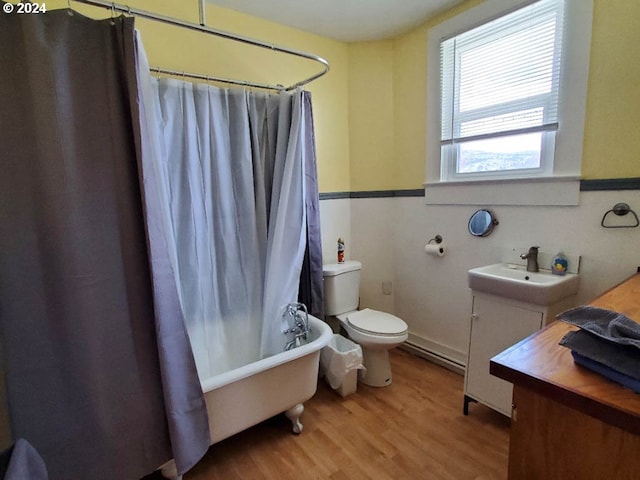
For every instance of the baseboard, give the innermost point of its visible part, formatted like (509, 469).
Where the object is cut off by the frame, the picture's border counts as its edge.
(437, 353)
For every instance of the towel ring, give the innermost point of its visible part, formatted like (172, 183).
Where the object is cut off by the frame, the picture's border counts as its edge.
(620, 209)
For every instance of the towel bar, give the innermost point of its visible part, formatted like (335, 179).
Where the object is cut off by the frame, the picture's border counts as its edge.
(620, 209)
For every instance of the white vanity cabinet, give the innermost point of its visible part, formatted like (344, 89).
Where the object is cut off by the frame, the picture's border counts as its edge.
(496, 324)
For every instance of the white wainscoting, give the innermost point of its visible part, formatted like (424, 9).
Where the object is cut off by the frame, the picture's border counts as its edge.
(430, 293)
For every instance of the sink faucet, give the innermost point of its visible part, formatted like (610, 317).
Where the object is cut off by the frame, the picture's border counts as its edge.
(532, 259)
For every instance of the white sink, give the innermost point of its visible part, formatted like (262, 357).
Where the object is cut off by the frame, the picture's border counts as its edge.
(513, 281)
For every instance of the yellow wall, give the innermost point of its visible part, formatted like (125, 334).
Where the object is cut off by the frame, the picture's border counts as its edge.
(611, 143)
(183, 50)
(370, 109)
(410, 101)
(370, 136)
(612, 137)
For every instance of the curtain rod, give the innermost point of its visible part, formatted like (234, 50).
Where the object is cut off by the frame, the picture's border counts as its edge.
(114, 7)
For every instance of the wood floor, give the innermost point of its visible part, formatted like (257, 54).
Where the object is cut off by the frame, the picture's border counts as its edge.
(412, 429)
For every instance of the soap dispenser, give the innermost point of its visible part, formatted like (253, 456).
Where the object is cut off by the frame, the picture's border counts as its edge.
(560, 264)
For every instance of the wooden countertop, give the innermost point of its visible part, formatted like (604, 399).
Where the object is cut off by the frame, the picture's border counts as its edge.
(540, 364)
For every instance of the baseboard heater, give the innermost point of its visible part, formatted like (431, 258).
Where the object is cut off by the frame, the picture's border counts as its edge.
(446, 361)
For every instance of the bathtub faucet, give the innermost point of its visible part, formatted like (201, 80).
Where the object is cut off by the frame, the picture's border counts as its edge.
(300, 324)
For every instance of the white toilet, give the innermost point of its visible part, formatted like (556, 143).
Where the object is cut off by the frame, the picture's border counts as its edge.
(376, 332)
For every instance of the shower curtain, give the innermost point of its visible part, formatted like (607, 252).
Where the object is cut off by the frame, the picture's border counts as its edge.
(99, 373)
(232, 167)
(311, 291)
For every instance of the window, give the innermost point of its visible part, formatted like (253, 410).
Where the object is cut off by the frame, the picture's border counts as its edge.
(502, 112)
(499, 93)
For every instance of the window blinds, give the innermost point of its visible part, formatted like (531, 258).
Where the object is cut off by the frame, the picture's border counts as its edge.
(502, 78)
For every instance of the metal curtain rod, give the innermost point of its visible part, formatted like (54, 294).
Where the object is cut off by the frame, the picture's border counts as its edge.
(114, 7)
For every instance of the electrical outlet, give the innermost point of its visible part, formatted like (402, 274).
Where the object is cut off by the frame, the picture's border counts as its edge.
(387, 288)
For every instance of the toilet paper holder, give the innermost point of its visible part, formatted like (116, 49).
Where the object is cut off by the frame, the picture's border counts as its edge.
(435, 247)
(436, 239)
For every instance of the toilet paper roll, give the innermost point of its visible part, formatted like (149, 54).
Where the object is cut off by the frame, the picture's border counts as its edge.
(435, 249)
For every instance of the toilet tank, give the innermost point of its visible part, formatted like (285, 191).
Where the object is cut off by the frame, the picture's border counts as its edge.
(341, 287)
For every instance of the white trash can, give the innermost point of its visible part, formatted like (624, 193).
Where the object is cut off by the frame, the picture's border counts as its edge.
(340, 361)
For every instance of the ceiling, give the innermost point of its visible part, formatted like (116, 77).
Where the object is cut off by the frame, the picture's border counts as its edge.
(344, 20)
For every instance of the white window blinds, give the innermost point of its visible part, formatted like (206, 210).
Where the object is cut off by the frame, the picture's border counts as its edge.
(502, 78)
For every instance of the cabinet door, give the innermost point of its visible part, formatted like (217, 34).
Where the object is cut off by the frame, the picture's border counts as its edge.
(495, 326)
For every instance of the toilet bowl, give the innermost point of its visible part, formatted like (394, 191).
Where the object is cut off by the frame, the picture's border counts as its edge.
(376, 332)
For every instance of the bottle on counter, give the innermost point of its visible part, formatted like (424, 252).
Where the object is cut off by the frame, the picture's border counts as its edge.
(340, 250)
(560, 264)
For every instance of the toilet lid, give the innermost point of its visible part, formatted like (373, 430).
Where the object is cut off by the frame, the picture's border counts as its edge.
(377, 323)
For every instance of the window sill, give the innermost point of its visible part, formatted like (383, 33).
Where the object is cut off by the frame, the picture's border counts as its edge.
(557, 191)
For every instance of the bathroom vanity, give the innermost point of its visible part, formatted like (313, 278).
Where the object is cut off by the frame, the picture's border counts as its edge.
(497, 323)
(567, 421)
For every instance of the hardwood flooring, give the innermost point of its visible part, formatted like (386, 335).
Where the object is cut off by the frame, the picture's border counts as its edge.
(412, 429)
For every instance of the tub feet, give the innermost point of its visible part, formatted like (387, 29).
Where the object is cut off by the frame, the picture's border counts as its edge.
(293, 414)
(170, 471)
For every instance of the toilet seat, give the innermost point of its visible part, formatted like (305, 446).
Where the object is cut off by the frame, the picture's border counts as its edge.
(373, 322)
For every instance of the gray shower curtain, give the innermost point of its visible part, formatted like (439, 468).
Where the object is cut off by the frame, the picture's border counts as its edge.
(99, 374)
(230, 165)
(311, 290)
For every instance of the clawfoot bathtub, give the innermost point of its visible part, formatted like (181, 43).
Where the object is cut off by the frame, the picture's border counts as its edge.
(246, 396)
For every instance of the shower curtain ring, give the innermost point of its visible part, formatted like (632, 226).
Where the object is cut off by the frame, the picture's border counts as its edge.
(113, 13)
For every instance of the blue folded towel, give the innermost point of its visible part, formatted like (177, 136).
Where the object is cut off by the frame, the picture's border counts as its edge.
(607, 372)
(609, 338)
(622, 358)
(607, 324)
